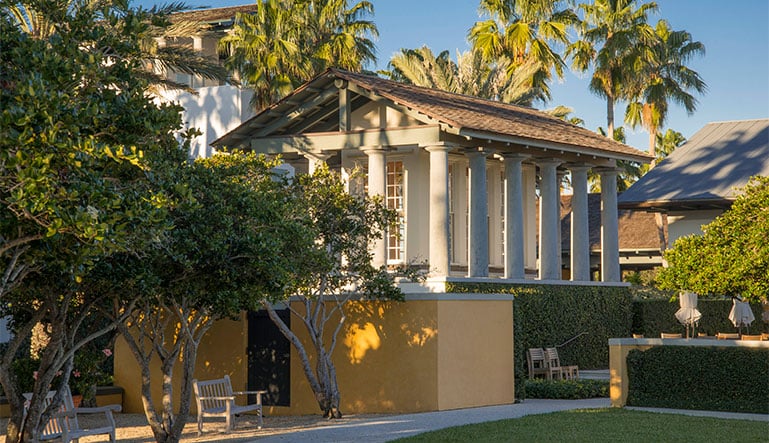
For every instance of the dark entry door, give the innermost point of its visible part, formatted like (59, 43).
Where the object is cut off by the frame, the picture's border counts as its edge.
(269, 355)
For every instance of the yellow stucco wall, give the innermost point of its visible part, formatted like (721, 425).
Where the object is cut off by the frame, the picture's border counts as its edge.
(222, 351)
(413, 356)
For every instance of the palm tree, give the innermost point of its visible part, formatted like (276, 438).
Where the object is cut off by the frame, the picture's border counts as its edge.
(522, 32)
(342, 35)
(286, 42)
(663, 76)
(469, 75)
(612, 33)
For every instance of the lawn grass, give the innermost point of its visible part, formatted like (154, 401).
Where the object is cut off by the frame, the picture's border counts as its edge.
(603, 425)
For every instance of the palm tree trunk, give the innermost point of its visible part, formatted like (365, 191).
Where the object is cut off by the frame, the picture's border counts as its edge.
(610, 117)
(653, 145)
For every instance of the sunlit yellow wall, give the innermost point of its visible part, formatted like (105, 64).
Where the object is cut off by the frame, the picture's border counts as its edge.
(412, 356)
(475, 356)
(222, 351)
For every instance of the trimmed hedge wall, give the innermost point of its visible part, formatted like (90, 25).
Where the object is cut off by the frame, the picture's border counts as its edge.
(549, 315)
(688, 377)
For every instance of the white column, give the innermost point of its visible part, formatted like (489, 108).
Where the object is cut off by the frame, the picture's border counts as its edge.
(514, 264)
(377, 185)
(530, 227)
(439, 210)
(580, 230)
(315, 159)
(549, 220)
(610, 271)
(478, 240)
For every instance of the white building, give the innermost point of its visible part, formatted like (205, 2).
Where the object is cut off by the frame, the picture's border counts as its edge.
(463, 172)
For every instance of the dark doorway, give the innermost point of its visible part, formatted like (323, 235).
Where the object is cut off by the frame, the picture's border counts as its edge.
(269, 358)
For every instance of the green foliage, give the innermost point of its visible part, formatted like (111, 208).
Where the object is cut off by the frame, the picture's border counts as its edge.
(287, 42)
(547, 316)
(567, 389)
(702, 378)
(731, 257)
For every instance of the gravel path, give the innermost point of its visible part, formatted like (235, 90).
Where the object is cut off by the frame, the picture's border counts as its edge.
(133, 428)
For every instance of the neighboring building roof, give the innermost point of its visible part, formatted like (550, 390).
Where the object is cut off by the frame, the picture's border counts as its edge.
(465, 116)
(214, 15)
(706, 171)
(638, 230)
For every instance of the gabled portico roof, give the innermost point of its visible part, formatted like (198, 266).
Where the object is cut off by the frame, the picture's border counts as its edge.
(447, 117)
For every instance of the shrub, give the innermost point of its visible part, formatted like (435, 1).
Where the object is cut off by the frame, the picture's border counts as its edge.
(702, 378)
(567, 389)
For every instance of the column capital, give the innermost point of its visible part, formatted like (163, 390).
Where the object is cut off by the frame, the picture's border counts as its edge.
(554, 162)
(317, 156)
(368, 150)
(515, 156)
(607, 170)
(578, 166)
(437, 147)
(476, 152)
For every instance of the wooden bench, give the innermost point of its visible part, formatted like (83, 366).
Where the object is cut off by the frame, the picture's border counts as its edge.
(215, 398)
(63, 424)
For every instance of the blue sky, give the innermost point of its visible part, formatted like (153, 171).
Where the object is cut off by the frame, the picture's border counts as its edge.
(735, 66)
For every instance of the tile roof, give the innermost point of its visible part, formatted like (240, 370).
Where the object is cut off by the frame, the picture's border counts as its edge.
(637, 229)
(214, 15)
(464, 115)
(489, 117)
(707, 170)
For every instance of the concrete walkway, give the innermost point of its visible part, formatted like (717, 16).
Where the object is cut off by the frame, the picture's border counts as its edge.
(383, 429)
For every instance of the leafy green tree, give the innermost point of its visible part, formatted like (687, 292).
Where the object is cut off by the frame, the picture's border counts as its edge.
(334, 271)
(731, 257)
(157, 61)
(527, 34)
(231, 247)
(82, 151)
(611, 36)
(662, 75)
(286, 42)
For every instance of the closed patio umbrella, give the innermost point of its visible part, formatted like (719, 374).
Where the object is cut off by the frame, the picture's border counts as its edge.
(741, 314)
(688, 315)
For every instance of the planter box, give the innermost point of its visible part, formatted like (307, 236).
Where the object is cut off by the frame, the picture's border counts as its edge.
(105, 395)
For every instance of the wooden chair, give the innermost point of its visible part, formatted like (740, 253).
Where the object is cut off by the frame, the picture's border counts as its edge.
(638, 336)
(215, 398)
(728, 336)
(764, 336)
(535, 357)
(568, 372)
(670, 335)
(751, 337)
(64, 424)
(703, 335)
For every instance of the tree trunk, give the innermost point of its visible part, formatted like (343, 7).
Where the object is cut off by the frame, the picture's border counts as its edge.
(322, 380)
(610, 117)
(653, 146)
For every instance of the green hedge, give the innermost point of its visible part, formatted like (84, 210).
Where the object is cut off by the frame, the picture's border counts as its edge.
(700, 378)
(567, 389)
(549, 315)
